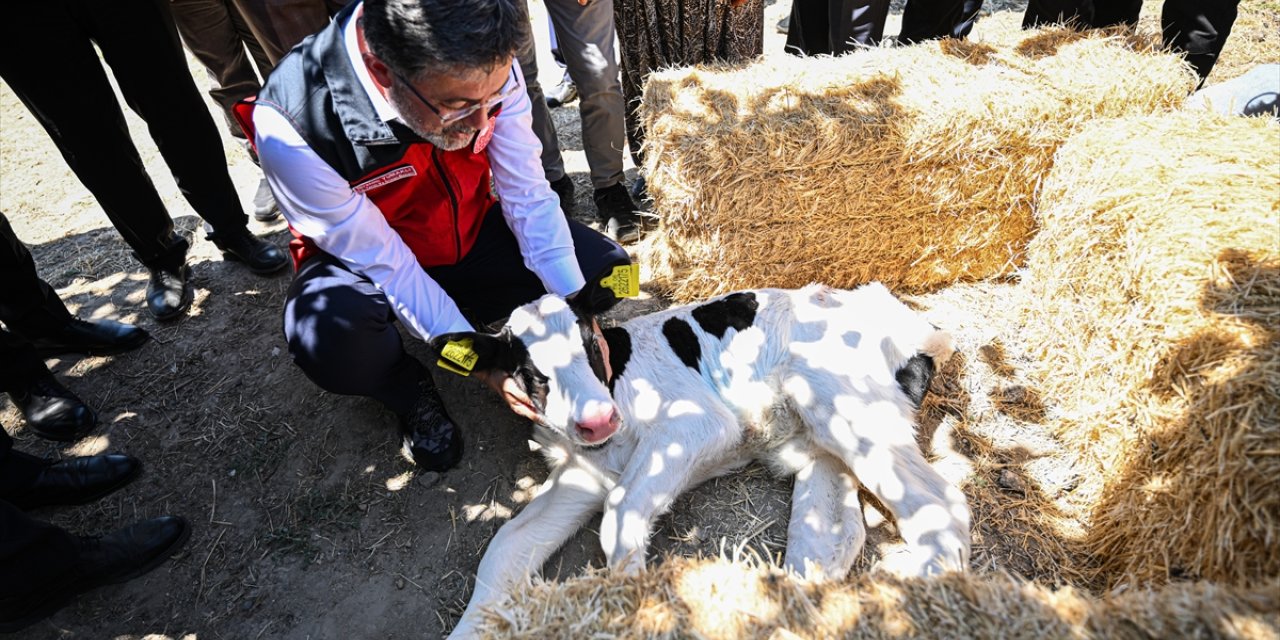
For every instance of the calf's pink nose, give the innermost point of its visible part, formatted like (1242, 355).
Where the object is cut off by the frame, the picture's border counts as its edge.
(599, 423)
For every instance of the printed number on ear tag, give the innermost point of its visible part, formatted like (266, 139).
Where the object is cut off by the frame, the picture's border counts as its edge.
(624, 281)
(458, 356)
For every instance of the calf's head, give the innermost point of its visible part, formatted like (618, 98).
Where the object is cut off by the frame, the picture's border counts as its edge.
(554, 352)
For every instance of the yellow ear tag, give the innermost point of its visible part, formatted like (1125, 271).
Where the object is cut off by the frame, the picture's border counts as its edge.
(458, 356)
(624, 281)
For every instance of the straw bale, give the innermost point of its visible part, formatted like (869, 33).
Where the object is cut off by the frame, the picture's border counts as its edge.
(726, 600)
(917, 166)
(1152, 299)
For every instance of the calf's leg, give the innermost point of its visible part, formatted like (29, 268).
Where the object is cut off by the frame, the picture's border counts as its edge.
(876, 438)
(826, 532)
(566, 500)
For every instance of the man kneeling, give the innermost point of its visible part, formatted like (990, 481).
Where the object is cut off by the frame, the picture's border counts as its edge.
(381, 137)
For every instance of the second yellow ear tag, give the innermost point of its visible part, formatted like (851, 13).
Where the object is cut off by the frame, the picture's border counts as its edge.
(458, 356)
(624, 281)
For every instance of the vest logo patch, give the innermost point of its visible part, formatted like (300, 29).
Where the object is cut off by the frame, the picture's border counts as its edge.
(394, 175)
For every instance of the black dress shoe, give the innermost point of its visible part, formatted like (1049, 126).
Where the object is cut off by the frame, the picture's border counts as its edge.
(618, 213)
(52, 411)
(110, 559)
(262, 257)
(74, 481)
(169, 292)
(97, 338)
(430, 437)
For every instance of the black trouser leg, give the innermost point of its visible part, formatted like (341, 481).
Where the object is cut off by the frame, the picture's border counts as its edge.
(27, 304)
(1116, 12)
(341, 332)
(140, 43)
(33, 555)
(929, 19)
(1198, 28)
(66, 89)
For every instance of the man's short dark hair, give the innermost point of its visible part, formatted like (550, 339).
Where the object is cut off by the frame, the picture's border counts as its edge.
(412, 36)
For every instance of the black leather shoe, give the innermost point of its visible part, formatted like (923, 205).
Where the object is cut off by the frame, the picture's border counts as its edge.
(564, 188)
(52, 411)
(430, 437)
(618, 213)
(110, 559)
(74, 481)
(261, 256)
(97, 338)
(169, 292)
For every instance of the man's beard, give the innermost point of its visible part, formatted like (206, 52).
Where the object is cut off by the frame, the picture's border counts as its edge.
(451, 138)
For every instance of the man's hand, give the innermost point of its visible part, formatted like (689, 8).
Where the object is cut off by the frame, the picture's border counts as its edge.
(509, 391)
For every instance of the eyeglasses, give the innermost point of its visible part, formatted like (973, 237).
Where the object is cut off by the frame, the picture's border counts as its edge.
(447, 117)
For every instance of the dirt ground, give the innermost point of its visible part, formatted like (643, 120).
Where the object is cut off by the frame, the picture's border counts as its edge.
(307, 522)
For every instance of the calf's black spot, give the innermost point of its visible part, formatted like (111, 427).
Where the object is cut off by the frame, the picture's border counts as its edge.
(914, 377)
(619, 351)
(683, 341)
(737, 310)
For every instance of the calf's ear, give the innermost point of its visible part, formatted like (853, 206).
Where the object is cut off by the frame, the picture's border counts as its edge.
(467, 352)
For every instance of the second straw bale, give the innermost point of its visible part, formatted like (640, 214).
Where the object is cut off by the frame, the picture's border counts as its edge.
(917, 166)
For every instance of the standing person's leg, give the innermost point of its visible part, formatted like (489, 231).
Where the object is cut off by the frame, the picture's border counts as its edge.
(586, 38)
(68, 93)
(929, 19)
(279, 25)
(140, 42)
(543, 127)
(27, 303)
(1044, 12)
(1116, 12)
(809, 32)
(1198, 28)
(565, 91)
(209, 31)
(856, 23)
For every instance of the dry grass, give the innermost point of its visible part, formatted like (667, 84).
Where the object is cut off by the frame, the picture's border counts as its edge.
(916, 166)
(1153, 294)
(740, 600)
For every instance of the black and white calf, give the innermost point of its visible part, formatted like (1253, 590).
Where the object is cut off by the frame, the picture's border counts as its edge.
(819, 383)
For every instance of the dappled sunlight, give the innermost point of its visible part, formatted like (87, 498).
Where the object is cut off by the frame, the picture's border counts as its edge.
(398, 482)
(647, 401)
(89, 446)
(486, 512)
(370, 469)
(682, 408)
(725, 599)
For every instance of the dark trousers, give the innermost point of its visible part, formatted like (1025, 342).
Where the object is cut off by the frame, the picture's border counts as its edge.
(47, 58)
(1196, 28)
(931, 19)
(32, 553)
(28, 307)
(833, 27)
(341, 329)
(219, 36)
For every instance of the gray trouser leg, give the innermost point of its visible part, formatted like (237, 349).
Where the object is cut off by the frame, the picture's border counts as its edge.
(586, 40)
(543, 127)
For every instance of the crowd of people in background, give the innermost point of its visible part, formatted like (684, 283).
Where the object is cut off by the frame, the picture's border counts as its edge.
(411, 149)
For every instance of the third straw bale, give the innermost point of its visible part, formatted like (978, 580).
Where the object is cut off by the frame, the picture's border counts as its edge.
(1152, 294)
(916, 166)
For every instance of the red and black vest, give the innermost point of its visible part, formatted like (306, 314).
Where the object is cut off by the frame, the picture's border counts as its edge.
(434, 199)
